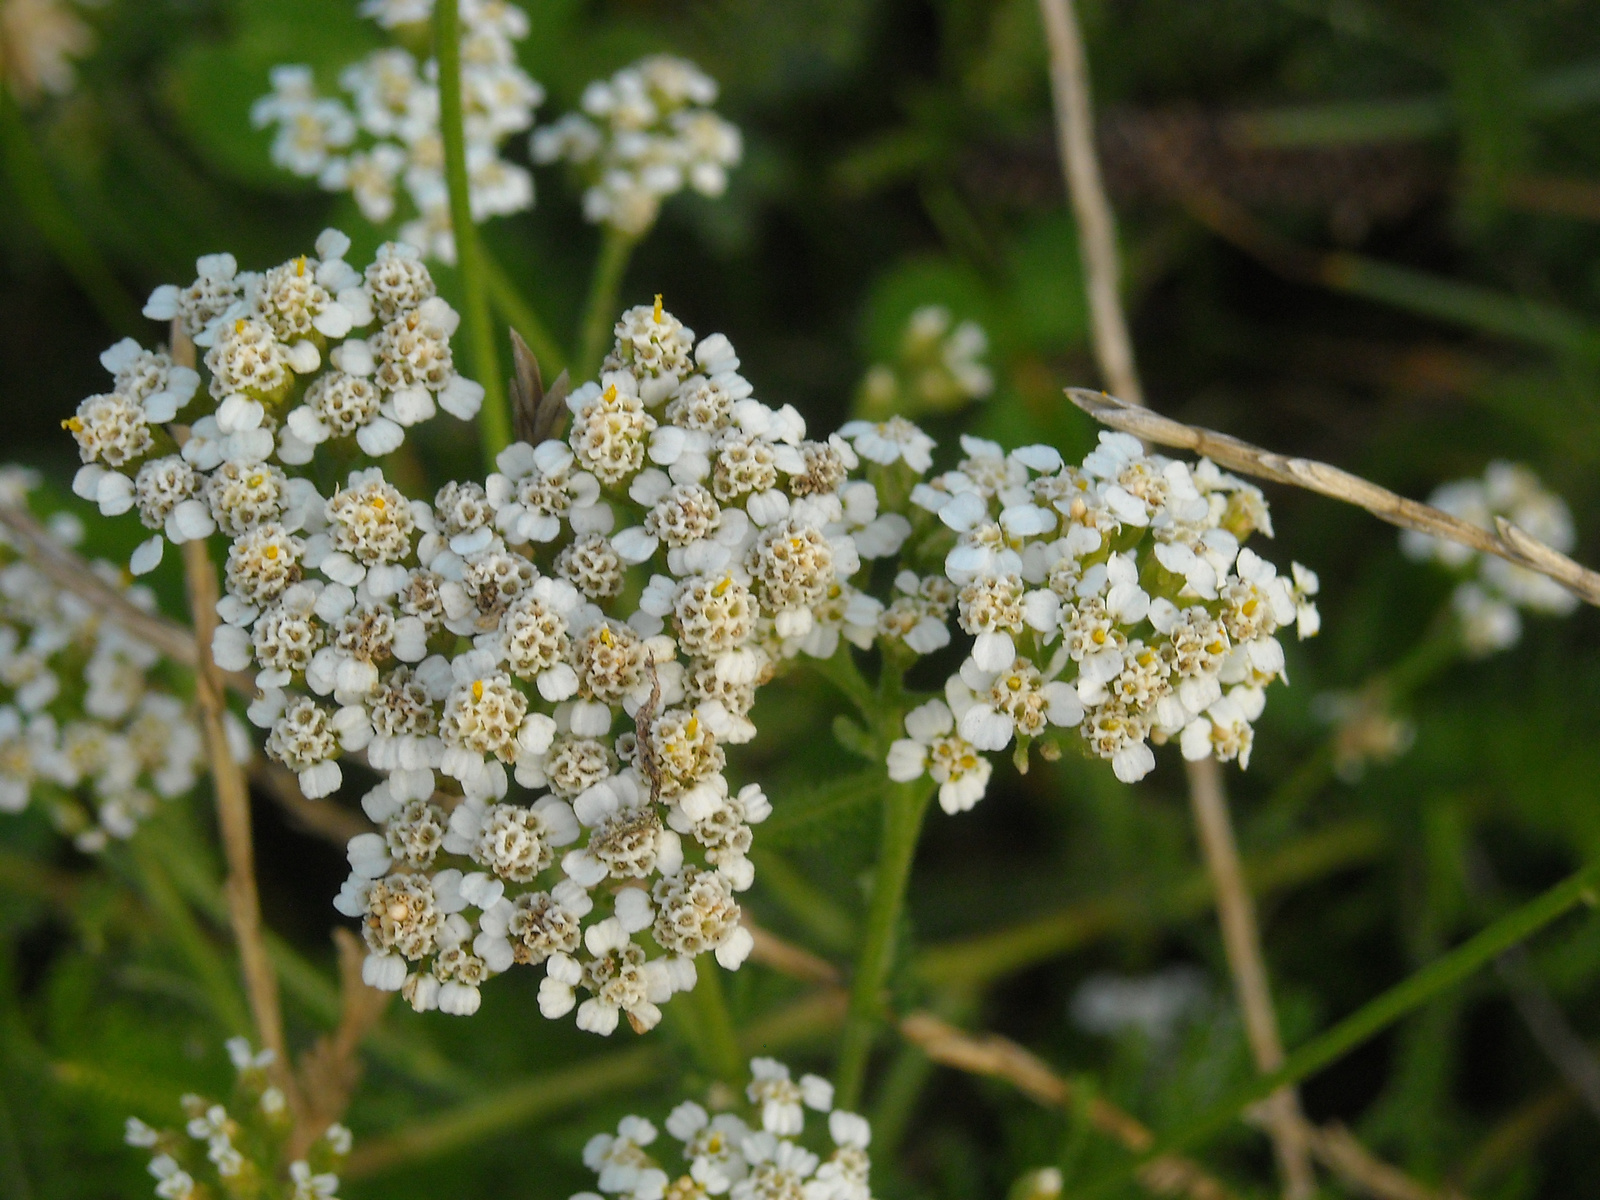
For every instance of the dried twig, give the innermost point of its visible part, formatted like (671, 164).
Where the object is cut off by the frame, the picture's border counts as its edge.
(233, 800)
(990, 1054)
(1069, 78)
(72, 573)
(789, 959)
(1097, 233)
(1511, 543)
(330, 1070)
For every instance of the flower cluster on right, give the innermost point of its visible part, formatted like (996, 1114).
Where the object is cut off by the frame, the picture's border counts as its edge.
(1491, 591)
(762, 1158)
(1115, 598)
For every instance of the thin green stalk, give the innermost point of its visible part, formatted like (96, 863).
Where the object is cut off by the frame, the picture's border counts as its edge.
(903, 810)
(520, 314)
(215, 975)
(494, 421)
(1369, 1020)
(50, 216)
(600, 313)
(719, 1040)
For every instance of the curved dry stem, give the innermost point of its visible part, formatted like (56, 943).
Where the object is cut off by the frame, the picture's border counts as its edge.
(1509, 542)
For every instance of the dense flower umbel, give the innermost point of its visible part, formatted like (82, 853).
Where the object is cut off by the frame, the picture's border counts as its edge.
(760, 1154)
(238, 1152)
(1492, 590)
(387, 137)
(286, 370)
(590, 625)
(1114, 598)
(88, 720)
(643, 135)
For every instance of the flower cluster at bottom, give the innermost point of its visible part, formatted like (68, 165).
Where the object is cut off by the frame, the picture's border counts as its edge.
(762, 1158)
(237, 1154)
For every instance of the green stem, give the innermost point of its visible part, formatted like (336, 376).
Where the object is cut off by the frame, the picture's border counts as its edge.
(495, 417)
(516, 309)
(719, 1040)
(904, 806)
(48, 213)
(600, 313)
(1370, 1019)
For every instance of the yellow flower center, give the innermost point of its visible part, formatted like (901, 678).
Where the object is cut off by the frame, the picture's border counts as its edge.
(271, 552)
(477, 689)
(300, 265)
(722, 585)
(238, 326)
(73, 424)
(657, 316)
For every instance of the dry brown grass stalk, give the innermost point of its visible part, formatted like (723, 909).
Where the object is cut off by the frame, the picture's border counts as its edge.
(330, 1070)
(1509, 542)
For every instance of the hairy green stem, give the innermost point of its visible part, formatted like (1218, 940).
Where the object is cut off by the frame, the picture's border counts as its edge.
(515, 308)
(50, 216)
(903, 810)
(494, 421)
(1372, 1018)
(600, 313)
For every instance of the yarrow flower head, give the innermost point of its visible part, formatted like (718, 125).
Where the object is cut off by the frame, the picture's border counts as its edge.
(939, 367)
(285, 371)
(1114, 598)
(756, 1153)
(88, 712)
(385, 138)
(643, 135)
(1491, 591)
(234, 1150)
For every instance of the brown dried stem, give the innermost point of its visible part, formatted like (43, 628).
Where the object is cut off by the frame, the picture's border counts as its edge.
(330, 1070)
(321, 818)
(1510, 543)
(233, 822)
(1069, 79)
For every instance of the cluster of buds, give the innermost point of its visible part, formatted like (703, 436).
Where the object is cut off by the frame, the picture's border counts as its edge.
(39, 41)
(757, 1156)
(88, 717)
(643, 135)
(237, 1153)
(1491, 590)
(1114, 598)
(387, 136)
(286, 374)
(938, 367)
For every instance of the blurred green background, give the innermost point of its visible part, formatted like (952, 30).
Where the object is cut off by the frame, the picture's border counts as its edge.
(1365, 232)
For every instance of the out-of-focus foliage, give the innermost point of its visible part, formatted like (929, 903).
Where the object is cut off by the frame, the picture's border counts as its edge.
(1363, 230)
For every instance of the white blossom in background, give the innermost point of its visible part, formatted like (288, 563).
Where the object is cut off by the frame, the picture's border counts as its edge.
(90, 724)
(381, 141)
(757, 1153)
(233, 1150)
(1154, 1004)
(643, 135)
(939, 367)
(39, 41)
(1491, 591)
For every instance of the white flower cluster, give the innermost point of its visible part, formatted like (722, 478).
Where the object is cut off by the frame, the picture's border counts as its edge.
(39, 39)
(233, 1146)
(86, 718)
(643, 135)
(762, 1158)
(388, 135)
(1113, 598)
(939, 367)
(1492, 590)
(592, 622)
(286, 374)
